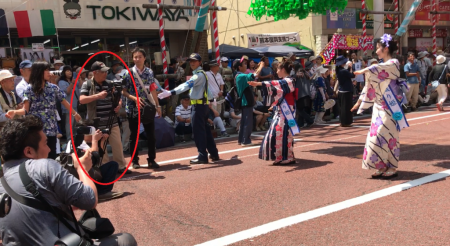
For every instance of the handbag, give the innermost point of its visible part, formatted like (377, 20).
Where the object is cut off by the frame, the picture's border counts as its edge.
(148, 112)
(435, 83)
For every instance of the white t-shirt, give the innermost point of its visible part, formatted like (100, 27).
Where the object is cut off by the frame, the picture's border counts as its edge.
(358, 66)
(20, 88)
(185, 113)
(214, 83)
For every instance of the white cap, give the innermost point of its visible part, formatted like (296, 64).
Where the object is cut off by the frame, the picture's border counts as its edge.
(5, 74)
(322, 70)
(58, 62)
(224, 59)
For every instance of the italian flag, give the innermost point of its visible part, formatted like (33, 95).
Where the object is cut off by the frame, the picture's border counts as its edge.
(35, 23)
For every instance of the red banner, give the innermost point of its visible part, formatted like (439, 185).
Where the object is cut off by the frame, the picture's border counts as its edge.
(424, 9)
(352, 42)
(415, 33)
(418, 33)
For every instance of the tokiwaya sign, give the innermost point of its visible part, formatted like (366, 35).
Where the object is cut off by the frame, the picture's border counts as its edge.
(134, 13)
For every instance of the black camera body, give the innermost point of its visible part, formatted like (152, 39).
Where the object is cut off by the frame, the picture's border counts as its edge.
(5, 204)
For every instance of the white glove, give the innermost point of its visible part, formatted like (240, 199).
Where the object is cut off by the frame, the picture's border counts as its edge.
(164, 94)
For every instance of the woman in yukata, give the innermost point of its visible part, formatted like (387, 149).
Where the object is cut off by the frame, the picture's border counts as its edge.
(385, 93)
(278, 143)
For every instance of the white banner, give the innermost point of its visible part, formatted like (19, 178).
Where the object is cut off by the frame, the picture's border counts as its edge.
(37, 46)
(427, 43)
(29, 54)
(271, 39)
(2, 52)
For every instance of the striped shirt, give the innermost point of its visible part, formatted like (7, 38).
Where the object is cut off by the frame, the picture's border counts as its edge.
(104, 106)
(183, 112)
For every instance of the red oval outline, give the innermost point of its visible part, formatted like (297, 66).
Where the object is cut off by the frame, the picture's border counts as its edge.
(139, 116)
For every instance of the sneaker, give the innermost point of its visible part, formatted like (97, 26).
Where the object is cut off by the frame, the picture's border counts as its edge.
(109, 196)
(263, 128)
(153, 164)
(120, 171)
(258, 129)
(225, 134)
(136, 165)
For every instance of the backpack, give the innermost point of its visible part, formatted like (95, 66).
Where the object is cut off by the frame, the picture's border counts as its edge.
(233, 99)
(313, 90)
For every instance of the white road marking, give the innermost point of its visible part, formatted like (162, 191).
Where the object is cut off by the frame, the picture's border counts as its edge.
(296, 219)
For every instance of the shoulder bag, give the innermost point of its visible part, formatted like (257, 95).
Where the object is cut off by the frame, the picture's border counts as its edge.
(148, 112)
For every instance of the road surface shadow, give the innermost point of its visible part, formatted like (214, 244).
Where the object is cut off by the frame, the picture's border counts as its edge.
(302, 164)
(221, 163)
(125, 194)
(420, 152)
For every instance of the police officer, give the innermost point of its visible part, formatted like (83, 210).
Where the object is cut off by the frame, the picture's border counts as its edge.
(199, 93)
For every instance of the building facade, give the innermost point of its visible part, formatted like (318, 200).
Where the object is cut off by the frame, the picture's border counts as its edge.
(88, 26)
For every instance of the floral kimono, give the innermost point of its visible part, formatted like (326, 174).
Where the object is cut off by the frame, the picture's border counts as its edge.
(382, 149)
(278, 143)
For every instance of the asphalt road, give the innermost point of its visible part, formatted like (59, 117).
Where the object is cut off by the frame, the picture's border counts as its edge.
(326, 198)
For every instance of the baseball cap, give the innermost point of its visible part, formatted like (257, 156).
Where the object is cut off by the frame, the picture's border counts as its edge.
(115, 62)
(213, 63)
(4, 74)
(25, 64)
(79, 69)
(185, 96)
(194, 57)
(58, 62)
(224, 59)
(98, 65)
(290, 54)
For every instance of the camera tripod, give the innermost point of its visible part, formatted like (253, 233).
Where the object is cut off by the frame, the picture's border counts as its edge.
(116, 95)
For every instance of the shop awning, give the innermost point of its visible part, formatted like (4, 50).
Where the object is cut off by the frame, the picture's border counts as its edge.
(231, 51)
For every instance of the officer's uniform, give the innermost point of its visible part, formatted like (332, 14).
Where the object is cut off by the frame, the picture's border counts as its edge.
(199, 94)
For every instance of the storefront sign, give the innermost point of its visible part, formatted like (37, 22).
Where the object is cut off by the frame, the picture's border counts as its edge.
(261, 40)
(388, 20)
(134, 13)
(419, 33)
(423, 11)
(37, 46)
(30, 54)
(352, 42)
(415, 33)
(426, 43)
(109, 14)
(345, 42)
(345, 20)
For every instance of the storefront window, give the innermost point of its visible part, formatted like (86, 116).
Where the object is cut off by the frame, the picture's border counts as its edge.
(117, 46)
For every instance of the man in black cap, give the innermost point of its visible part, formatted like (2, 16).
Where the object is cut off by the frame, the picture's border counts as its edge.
(116, 68)
(199, 93)
(97, 94)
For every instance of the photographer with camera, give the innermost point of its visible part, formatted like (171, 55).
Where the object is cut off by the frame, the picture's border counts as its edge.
(146, 87)
(100, 96)
(91, 139)
(24, 149)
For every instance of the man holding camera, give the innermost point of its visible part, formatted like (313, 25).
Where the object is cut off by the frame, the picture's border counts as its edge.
(98, 94)
(142, 75)
(23, 141)
(92, 140)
